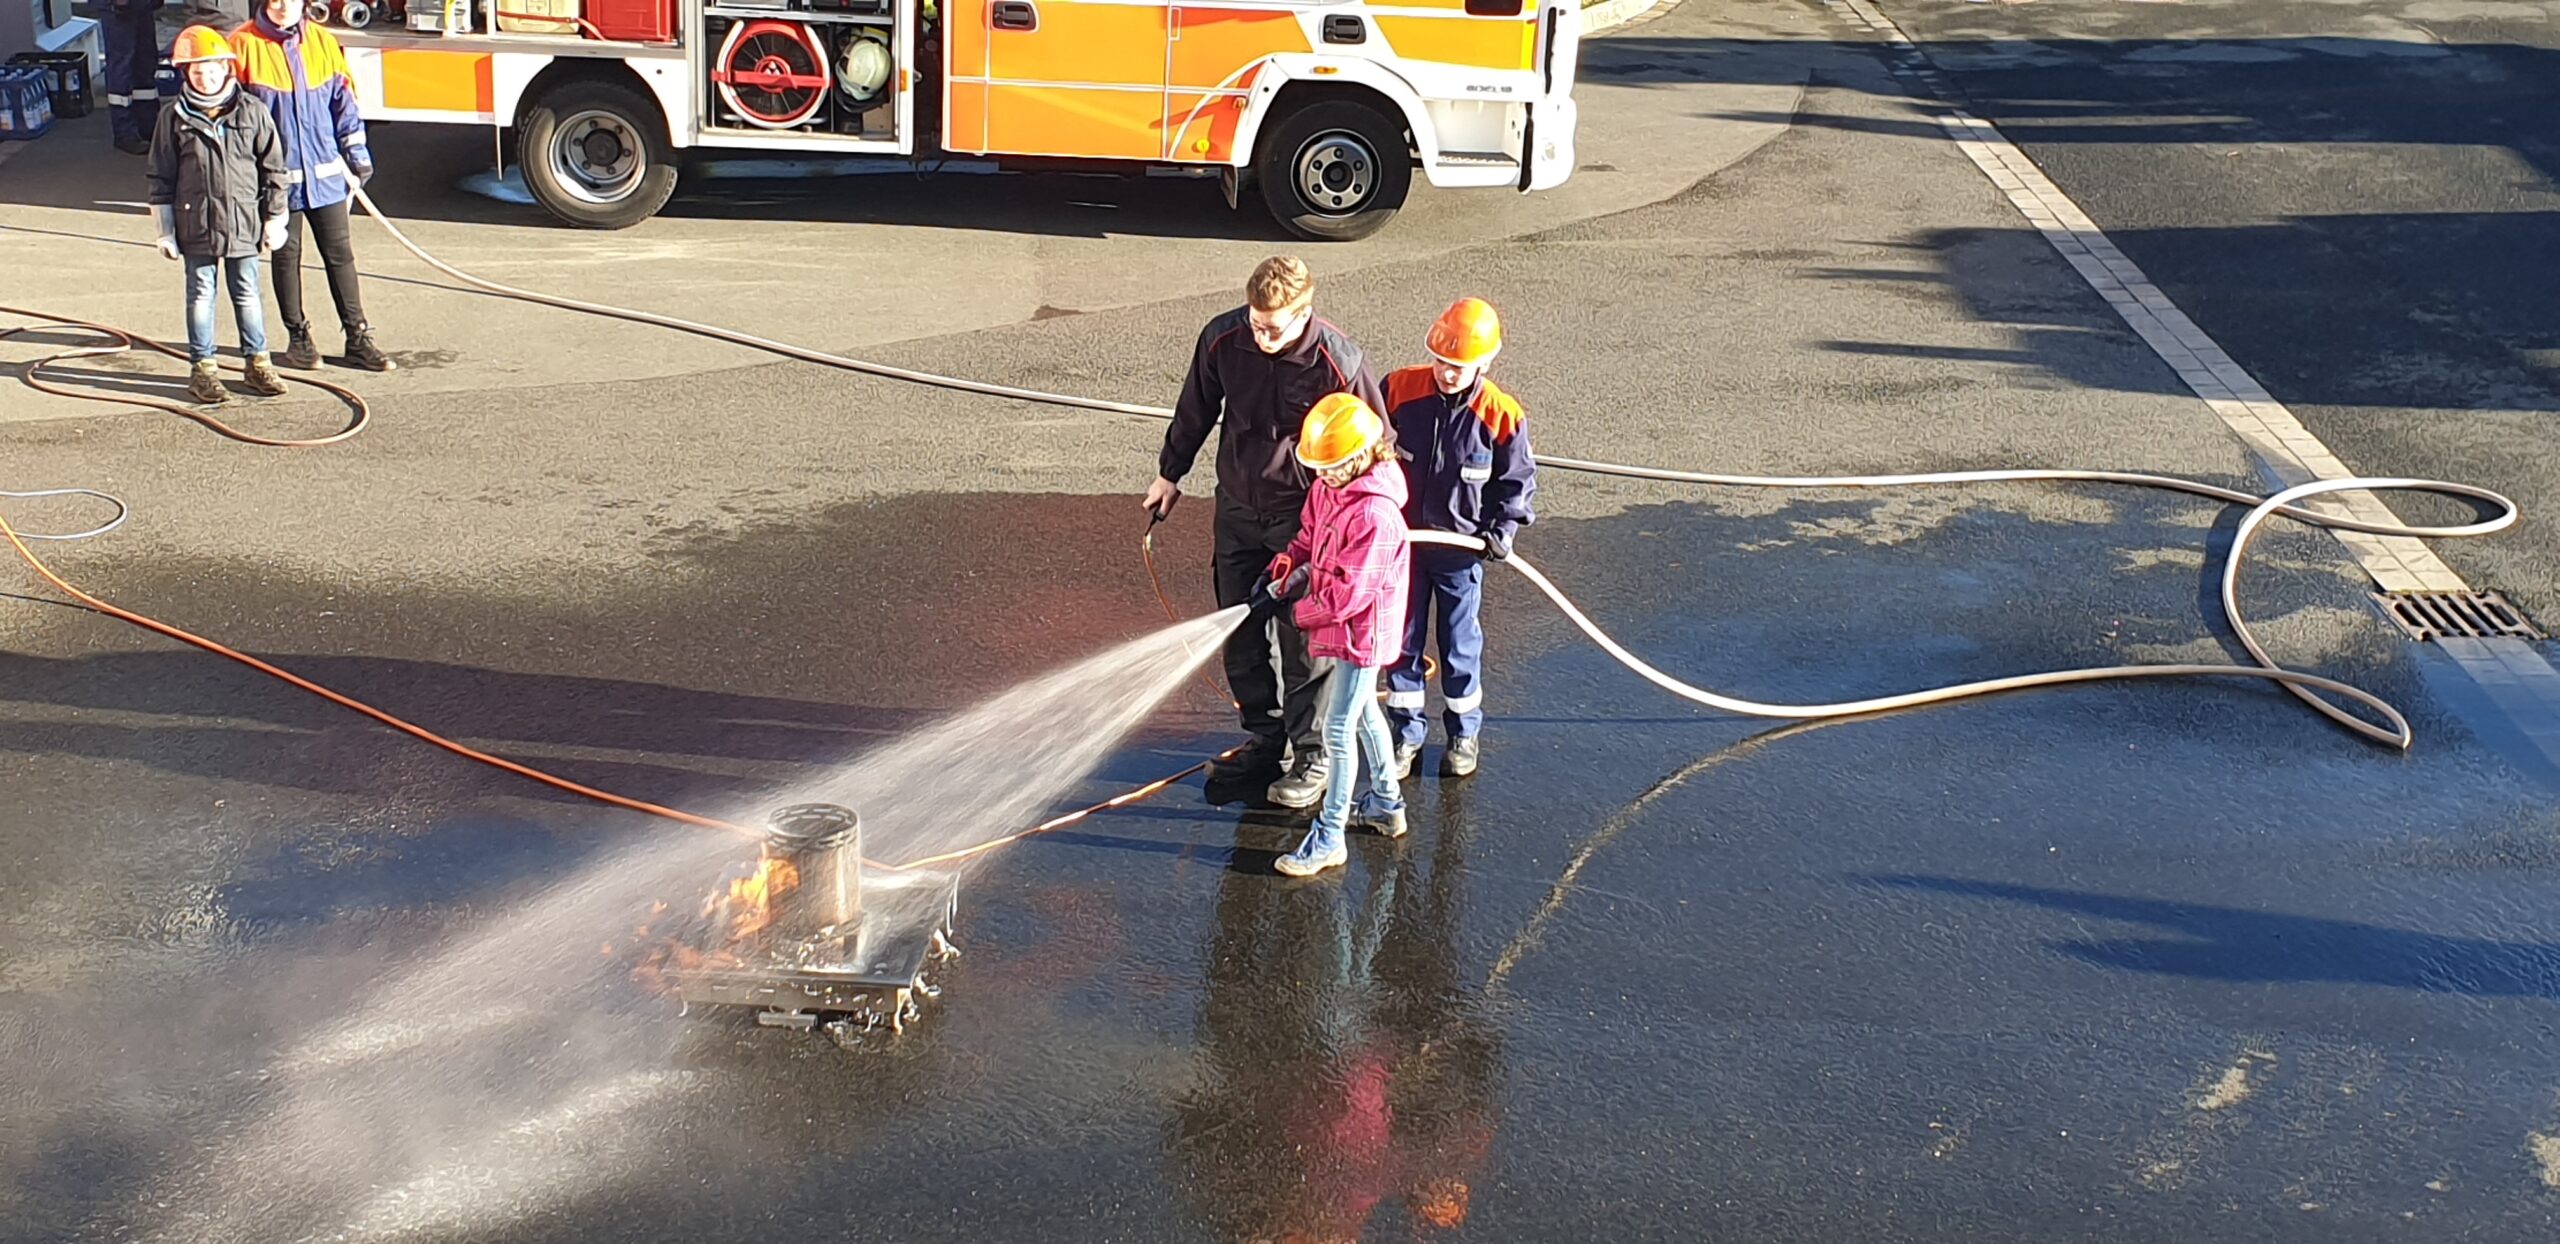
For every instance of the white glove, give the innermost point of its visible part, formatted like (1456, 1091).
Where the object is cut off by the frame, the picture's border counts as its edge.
(169, 246)
(275, 233)
(167, 218)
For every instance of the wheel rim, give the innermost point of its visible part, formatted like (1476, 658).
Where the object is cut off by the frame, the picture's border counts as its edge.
(1337, 173)
(597, 156)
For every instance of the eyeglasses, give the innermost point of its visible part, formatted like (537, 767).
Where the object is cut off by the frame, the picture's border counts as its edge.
(1278, 325)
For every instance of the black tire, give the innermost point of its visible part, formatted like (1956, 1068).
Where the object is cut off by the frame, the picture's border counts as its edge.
(1334, 170)
(596, 155)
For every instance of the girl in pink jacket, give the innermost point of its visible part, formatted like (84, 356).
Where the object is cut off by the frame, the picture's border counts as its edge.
(1346, 574)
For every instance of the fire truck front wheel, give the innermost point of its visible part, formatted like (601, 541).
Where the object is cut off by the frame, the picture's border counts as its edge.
(595, 154)
(1334, 170)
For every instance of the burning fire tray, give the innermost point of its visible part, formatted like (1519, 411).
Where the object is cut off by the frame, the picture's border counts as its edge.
(834, 939)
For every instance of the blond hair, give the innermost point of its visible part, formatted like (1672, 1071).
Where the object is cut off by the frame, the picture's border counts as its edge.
(1362, 463)
(1279, 283)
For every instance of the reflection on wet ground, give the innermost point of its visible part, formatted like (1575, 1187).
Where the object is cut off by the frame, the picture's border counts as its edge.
(1651, 974)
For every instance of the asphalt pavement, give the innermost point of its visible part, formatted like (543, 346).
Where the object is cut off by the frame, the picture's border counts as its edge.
(2140, 962)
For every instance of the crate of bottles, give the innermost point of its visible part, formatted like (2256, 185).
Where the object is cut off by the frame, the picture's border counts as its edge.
(26, 103)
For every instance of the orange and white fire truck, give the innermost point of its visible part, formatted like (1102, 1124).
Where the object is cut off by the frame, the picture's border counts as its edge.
(1323, 107)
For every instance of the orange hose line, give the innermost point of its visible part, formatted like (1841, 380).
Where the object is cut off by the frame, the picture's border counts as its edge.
(466, 751)
(349, 702)
(121, 341)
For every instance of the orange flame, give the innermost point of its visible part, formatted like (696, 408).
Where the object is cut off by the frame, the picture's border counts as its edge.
(751, 897)
(740, 908)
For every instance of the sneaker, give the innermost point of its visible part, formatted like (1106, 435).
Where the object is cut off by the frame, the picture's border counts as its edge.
(134, 145)
(1313, 856)
(1372, 812)
(205, 385)
(1460, 759)
(1258, 762)
(1407, 756)
(1303, 785)
(262, 378)
(300, 352)
(361, 352)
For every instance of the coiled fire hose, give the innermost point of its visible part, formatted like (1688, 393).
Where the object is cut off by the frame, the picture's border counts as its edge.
(2396, 733)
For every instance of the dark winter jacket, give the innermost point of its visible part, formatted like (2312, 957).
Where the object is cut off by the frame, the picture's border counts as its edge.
(223, 179)
(1263, 398)
(302, 76)
(1466, 456)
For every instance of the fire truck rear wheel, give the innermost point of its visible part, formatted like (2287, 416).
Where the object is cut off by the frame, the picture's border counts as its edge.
(1334, 170)
(595, 154)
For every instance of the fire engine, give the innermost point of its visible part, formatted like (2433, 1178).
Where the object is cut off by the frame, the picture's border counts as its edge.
(1323, 109)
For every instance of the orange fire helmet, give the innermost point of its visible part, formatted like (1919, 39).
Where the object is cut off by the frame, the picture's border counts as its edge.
(197, 43)
(1340, 427)
(1466, 334)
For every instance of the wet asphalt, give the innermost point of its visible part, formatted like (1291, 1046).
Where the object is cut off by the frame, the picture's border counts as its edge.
(2156, 962)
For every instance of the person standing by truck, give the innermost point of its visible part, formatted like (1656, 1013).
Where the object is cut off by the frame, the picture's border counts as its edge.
(1255, 374)
(132, 32)
(300, 73)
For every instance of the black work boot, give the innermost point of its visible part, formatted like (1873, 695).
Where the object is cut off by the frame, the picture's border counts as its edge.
(1257, 763)
(361, 351)
(261, 378)
(133, 144)
(300, 352)
(1460, 759)
(205, 384)
(1303, 785)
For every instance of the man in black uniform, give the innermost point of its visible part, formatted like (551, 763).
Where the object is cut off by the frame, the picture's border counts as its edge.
(132, 35)
(1258, 369)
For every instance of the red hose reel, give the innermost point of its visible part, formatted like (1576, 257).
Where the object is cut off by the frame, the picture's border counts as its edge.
(772, 74)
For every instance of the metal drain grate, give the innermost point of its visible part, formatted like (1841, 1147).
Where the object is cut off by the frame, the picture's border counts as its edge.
(2451, 615)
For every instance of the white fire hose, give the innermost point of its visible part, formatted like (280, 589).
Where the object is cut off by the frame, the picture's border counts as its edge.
(2303, 686)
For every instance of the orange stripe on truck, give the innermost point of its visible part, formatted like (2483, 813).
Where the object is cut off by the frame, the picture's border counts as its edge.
(1064, 121)
(1120, 44)
(1213, 44)
(1475, 42)
(438, 81)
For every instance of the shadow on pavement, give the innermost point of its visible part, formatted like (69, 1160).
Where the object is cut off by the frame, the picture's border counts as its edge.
(2231, 944)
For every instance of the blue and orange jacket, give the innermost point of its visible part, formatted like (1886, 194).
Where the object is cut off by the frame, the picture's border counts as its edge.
(1467, 463)
(301, 75)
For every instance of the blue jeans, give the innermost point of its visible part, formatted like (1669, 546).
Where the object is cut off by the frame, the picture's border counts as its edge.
(1350, 713)
(245, 305)
(1447, 584)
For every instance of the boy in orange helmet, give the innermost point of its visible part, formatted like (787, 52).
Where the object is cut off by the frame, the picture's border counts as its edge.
(1469, 470)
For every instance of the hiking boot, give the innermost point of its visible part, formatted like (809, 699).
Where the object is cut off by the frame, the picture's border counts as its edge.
(1373, 812)
(1460, 759)
(1320, 851)
(1303, 785)
(262, 378)
(301, 353)
(1407, 756)
(132, 144)
(1258, 762)
(361, 351)
(205, 385)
